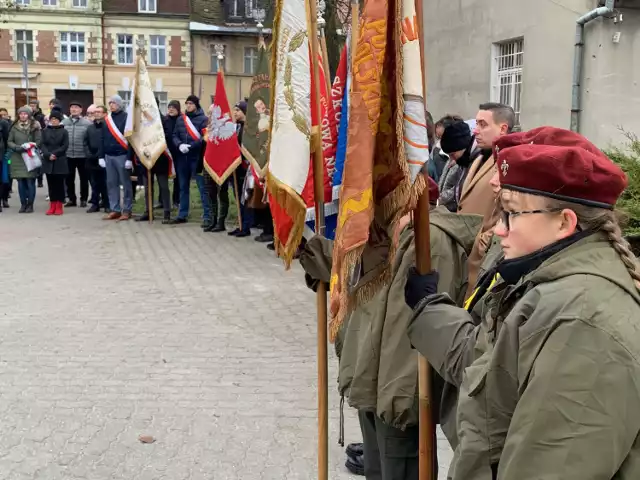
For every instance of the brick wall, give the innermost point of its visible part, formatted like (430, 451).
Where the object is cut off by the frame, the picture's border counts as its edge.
(120, 6)
(176, 52)
(46, 48)
(174, 6)
(5, 45)
(163, 6)
(108, 50)
(92, 50)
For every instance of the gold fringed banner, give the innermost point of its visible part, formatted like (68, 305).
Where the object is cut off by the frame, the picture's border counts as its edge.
(379, 184)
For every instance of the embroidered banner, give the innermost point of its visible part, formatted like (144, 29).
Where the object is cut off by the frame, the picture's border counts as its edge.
(144, 120)
(289, 140)
(377, 187)
(222, 154)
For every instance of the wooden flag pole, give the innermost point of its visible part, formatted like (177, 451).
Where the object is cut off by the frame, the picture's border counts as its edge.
(422, 240)
(321, 295)
(149, 195)
(323, 44)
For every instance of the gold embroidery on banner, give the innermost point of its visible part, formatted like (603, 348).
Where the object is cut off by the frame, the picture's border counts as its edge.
(353, 206)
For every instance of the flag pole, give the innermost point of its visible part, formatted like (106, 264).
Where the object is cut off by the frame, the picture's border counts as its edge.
(149, 195)
(321, 294)
(220, 53)
(323, 44)
(426, 464)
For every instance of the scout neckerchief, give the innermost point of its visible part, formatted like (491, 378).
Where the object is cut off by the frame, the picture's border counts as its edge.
(117, 134)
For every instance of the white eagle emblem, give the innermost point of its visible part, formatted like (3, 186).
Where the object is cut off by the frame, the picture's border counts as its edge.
(220, 126)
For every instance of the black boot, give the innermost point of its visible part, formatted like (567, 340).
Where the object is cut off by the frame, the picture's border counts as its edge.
(211, 226)
(23, 208)
(220, 226)
(5, 204)
(143, 218)
(29, 208)
(355, 465)
(354, 450)
(167, 218)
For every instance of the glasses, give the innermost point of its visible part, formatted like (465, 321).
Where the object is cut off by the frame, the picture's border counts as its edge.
(505, 215)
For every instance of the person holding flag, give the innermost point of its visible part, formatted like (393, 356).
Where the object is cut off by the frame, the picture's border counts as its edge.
(117, 161)
(188, 139)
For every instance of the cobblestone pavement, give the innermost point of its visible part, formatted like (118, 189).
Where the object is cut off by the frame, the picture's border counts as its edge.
(109, 331)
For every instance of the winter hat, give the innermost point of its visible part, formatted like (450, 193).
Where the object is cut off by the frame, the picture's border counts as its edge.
(76, 103)
(195, 100)
(175, 104)
(56, 113)
(25, 109)
(242, 106)
(34, 101)
(456, 137)
(117, 99)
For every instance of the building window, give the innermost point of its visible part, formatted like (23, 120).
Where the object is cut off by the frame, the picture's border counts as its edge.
(80, 3)
(49, 3)
(158, 50)
(163, 100)
(248, 8)
(126, 98)
(125, 49)
(507, 74)
(23, 2)
(250, 60)
(24, 45)
(214, 59)
(72, 47)
(235, 8)
(147, 6)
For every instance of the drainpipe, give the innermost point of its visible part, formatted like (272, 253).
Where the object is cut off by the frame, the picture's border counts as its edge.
(578, 57)
(104, 59)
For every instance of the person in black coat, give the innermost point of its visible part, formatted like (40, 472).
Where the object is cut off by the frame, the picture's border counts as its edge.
(55, 141)
(94, 152)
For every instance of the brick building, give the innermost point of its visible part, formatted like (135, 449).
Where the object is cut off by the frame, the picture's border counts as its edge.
(85, 49)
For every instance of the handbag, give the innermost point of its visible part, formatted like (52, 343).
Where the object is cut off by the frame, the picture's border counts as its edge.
(31, 157)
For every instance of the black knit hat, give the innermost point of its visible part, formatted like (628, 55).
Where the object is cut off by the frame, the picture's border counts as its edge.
(175, 104)
(242, 105)
(456, 137)
(55, 113)
(76, 103)
(195, 100)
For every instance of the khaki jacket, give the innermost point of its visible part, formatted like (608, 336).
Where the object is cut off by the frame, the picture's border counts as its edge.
(477, 198)
(550, 378)
(378, 367)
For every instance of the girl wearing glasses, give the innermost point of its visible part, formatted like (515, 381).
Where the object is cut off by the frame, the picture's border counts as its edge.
(546, 354)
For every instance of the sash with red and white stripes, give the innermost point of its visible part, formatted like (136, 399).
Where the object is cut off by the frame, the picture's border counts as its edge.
(191, 129)
(172, 168)
(117, 134)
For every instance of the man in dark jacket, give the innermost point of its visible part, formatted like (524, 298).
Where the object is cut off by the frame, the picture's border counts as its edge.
(239, 115)
(94, 151)
(77, 126)
(5, 126)
(188, 139)
(34, 103)
(117, 161)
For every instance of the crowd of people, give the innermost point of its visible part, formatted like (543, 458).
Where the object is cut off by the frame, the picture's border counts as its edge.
(93, 148)
(528, 318)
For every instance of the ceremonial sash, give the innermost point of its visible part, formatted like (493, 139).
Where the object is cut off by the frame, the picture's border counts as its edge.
(117, 134)
(191, 129)
(172, 168)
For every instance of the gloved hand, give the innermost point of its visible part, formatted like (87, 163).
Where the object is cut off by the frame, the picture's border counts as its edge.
(102, 163)
(315, 258)
(419, 286)
(128, 165)
(184, 148)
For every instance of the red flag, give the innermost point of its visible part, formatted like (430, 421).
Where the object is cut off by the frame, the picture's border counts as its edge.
(222, 154)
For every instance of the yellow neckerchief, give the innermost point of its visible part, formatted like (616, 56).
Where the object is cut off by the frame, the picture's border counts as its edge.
(470, 302)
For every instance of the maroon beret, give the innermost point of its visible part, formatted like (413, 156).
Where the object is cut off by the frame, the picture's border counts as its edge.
(559, 164)
(434, 192)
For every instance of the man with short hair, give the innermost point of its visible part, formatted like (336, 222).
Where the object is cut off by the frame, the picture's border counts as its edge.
(117, 161)
(94, 153)
(34, 103)
(493, 121)
(76, 125)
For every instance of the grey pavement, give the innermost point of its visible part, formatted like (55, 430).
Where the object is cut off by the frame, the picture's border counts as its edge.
(111, 331)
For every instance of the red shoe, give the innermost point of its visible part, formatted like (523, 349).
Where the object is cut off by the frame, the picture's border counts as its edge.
(52, 208)
(59, 209)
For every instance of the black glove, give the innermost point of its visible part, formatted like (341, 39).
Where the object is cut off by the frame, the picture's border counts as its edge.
(419, 286)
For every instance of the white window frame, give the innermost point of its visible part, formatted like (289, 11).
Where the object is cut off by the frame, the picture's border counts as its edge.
(254, 60)
(235, 12)
(156, 47)
(248, 8)
(147, 6)
(80, 3)
(49, 3)
(214, 59)
(126, 98)
(21, 46)
(163, 100)
(127, 47)
(76, 39)
(23, 3)
(507, 67)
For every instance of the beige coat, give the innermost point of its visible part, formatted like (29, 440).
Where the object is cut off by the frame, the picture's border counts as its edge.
(477, 198)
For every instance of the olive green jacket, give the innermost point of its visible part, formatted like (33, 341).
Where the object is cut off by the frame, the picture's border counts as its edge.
(18, 136)
(550, 378)
(378, 367)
